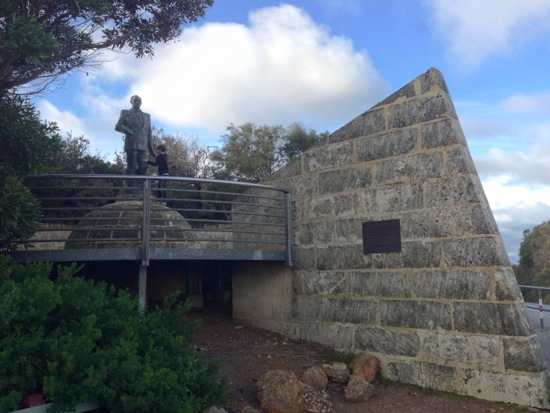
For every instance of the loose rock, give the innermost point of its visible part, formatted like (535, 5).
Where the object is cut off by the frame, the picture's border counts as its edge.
(315, 377)
(358, 389)
(337, 372)
(365, 365)
(278, 391)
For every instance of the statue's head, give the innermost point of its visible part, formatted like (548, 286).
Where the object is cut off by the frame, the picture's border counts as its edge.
(135, 101)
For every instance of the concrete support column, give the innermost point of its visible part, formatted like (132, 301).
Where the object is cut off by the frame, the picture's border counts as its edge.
(142, 287)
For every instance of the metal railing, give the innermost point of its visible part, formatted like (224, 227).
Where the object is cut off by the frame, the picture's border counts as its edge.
(117, 217)
(540, 306)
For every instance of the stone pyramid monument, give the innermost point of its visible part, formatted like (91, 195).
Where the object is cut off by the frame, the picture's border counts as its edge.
(398, 254)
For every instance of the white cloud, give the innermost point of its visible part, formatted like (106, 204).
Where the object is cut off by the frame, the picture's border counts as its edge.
(281, 68)
(67, 121)
(478, 30)
(536, 103)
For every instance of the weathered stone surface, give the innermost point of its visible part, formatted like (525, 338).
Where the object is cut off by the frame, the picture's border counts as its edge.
(432, 81)
(523, 390)
(315, 233)
(365, 365)
(474, 252)
(459, 161)
(337, 372)
(415, 314)
(368, 123)
(454, 349)
(278, 391)
(305, 308)
(506, 287)
(342, 180)
(407, 91)
(320, 158)
(387, 341)
(422, 109)
(498, 319)
(339, 205)
(410, 169)
(386, 145)
(406, 197)
(358, 389)
(458, 284)
(315, 401)
(483, 221)
(379, 284)
(452, 191)
(422, 374)
(442, 133)
(320, 282)
(340, 257)
(348, 231)
(336, 336)
(315, 377)
(348, 311)
(523, 355)
(420, 254)
(437, 223)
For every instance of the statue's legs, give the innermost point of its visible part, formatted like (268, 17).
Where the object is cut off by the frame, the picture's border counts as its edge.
(135, 164)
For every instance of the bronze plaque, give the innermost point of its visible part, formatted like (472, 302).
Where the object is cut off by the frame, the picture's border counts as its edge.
(381, 236)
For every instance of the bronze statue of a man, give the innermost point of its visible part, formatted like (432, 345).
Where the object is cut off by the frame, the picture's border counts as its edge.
(136, 126)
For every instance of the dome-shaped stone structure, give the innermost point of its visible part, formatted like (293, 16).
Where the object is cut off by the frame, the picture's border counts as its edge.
(120, 225)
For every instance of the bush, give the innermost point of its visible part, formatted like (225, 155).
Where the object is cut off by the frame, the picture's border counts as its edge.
(75, 340)
(19, 213)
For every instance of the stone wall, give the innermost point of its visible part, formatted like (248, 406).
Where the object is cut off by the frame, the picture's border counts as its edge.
(445, 312)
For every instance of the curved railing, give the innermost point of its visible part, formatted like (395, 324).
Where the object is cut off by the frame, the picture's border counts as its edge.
(116, 217)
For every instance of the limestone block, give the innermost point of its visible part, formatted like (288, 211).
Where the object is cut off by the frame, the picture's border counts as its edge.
(348, 231)
(506, 285)
(454, 284)
(444, 132)
(411, 168)
(327, 157)
(341, 257)
(499, 319)
(348, 311)
(396, 143)
(452, 191)
(474, 252)
(387, 341)
(415, 314)
(523, 355)
(429, 375)
(320, 282)
(315, 233)
(400, 198)
(444, 347)
(525, 390)
(379, 284)
(368, 123)
(422, 109)
(341, 180)
(437, 223)
(483, 221)
(334, 335)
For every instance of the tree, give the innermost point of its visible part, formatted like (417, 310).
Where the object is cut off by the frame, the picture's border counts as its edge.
(298, 140)
(186, 156)
(249, 153)
(27, 143)
(534, 260)
(43, 39)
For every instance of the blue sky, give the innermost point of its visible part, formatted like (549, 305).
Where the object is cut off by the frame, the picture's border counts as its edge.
(323, 62)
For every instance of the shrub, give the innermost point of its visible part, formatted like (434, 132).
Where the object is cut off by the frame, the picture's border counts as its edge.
(76, 340)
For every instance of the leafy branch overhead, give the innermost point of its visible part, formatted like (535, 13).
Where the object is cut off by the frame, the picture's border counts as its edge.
(42, 39)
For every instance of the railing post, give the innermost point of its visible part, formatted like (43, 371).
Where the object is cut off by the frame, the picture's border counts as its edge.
(145, 239)
(540, 309)
(288, 230)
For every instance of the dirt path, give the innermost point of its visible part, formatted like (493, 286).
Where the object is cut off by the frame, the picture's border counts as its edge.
(246, 353)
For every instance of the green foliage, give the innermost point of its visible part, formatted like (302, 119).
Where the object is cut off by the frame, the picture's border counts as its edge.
(27, 143)
(75, 340)
(43, 39)
(251, 153)
(19, 213)
(534, 261)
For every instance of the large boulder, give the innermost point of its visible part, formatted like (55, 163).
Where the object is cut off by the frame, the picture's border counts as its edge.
(278, 391)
